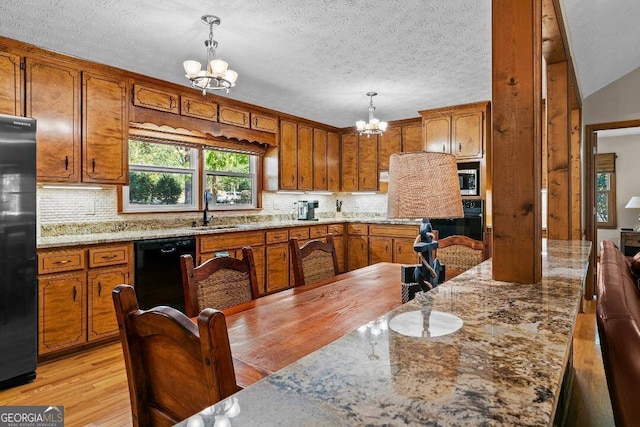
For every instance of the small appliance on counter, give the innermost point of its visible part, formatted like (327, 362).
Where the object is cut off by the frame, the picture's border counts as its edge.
(307, 210)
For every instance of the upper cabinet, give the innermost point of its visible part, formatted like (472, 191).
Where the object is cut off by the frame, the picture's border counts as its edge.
(148, 97)
(412, 138)
(234, 116)
(10, 85)
(53, 99)
(349, 160)
(288, 155)
(405, 137)
(305, 157)
(333, 161)
(105, 129)
(359, 162)
(200, 108)
(319, 159)
(264, 123)
(460, 130)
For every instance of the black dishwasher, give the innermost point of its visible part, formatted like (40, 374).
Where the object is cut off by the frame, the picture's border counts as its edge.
(158, 278)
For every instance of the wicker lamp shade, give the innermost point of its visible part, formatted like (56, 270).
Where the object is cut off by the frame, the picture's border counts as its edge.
(424, 185)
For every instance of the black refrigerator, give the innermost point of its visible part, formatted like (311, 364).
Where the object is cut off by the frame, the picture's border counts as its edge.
(18, 286)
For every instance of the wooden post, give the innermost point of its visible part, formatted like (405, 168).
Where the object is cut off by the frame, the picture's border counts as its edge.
(517, 129)
(559, 151)
(576, 182)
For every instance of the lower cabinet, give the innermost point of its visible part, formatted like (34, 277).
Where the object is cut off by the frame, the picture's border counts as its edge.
(74, 294)
(277, 261)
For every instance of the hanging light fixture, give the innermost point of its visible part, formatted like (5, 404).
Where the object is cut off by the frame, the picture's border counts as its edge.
(217, 76)
(374, 126)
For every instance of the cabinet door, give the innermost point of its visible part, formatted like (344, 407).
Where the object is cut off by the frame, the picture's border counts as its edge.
(467, 135)
(10, 85)
(233, 116)
(368, 163)
(105, 129)
(199, 108)
(389, 142)
(412, 139)
(277, 276)
(319, 159)
(288, 155)
(264, 123)
(358, 247)
(102, 321)
(403, 252)
(380, 249)
(258, 259)
(156, 99)
(437, 134)
(338, 243)
(53, 98)
(305, 157)
(350, 162)
(333, 161)
(61, 311)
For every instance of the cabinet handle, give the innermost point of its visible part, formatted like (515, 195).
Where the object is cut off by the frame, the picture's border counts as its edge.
(75, 293)
(284, 256)
(293, 178)
(93, 165)
(399, 249)
(443, 148)
(99, 288)
(109, 256)
(188, 106)
(171, 102)
(244, 119)
(66, 163)
(255, 122)
(66, 261)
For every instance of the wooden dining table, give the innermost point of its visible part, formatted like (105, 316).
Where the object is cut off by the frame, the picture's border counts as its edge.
(274, 331)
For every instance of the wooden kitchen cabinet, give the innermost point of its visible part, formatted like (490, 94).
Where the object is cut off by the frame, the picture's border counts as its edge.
(277, 270)
(357, 246)
(388, 143)
(319, 159)
(333, 161)
(53, 99)
(105, 129)
(437, 134)
(380, 249)
(101, 320)
(350, 162)
(412, 138)
(61, 311)
(288, 155)
(264, 123)
(199, 108)
(403, 252)
(368, 163)
(234, 116)
(305, 157)
(156, 99)
(11, 83)
(467, 135)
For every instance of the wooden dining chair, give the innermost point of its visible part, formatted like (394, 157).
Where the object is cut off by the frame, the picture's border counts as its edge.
(218, 282)
(316, 260)
(174, 368)
(460, 253)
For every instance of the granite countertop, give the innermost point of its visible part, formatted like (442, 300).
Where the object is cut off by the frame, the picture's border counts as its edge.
(147, 234)
(503, 366)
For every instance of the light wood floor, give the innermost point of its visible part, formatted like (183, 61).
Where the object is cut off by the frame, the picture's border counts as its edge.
(92, 385)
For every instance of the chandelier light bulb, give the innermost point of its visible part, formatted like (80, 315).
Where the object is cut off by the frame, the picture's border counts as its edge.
(218, 67)
(192, 68)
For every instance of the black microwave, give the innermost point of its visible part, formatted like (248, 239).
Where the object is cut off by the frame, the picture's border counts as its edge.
(469, 184)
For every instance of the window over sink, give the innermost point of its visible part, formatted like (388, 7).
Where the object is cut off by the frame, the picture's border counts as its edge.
(231, 179)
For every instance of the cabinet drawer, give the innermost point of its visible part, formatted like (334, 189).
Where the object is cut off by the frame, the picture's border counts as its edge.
(277, 236)
(199, 109)
(336, 229)
(394, 230)
(156, 99)
(226, 241)
(233, 116)
(317, 231)
(53, 262)
(299, 233)
(108, 255)
(264, 123)
(361, 229)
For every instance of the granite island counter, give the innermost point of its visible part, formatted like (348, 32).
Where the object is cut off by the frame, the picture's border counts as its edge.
(505, 365)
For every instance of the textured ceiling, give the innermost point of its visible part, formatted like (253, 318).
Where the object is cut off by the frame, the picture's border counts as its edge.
(314, 59)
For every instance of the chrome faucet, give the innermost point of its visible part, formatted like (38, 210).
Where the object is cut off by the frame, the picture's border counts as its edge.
(205, 218)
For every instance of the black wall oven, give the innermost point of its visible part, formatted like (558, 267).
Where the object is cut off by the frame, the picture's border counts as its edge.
(472, 225)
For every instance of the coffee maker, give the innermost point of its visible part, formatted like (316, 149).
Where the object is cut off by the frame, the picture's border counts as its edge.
(307, 210)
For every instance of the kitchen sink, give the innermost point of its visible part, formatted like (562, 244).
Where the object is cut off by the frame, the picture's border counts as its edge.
(219, 227)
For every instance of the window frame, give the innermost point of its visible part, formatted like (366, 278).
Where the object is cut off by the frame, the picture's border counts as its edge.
(605, 163)
(252, 174)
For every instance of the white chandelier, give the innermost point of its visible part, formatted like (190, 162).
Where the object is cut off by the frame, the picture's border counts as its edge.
(217, 76)
(375, 126)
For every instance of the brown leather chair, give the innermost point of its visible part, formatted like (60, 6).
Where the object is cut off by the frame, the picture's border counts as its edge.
(174, 368)
(460, 253)
(218, 282)
(316, 260)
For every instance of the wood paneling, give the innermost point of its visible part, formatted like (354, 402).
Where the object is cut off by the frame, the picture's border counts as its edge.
(516, 108)
(11, 84)
(305, 157)
(576, 181)
(333, 161)
(558, 151)
(319, 159)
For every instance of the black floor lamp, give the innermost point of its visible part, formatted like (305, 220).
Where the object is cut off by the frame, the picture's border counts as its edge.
(424, 185)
